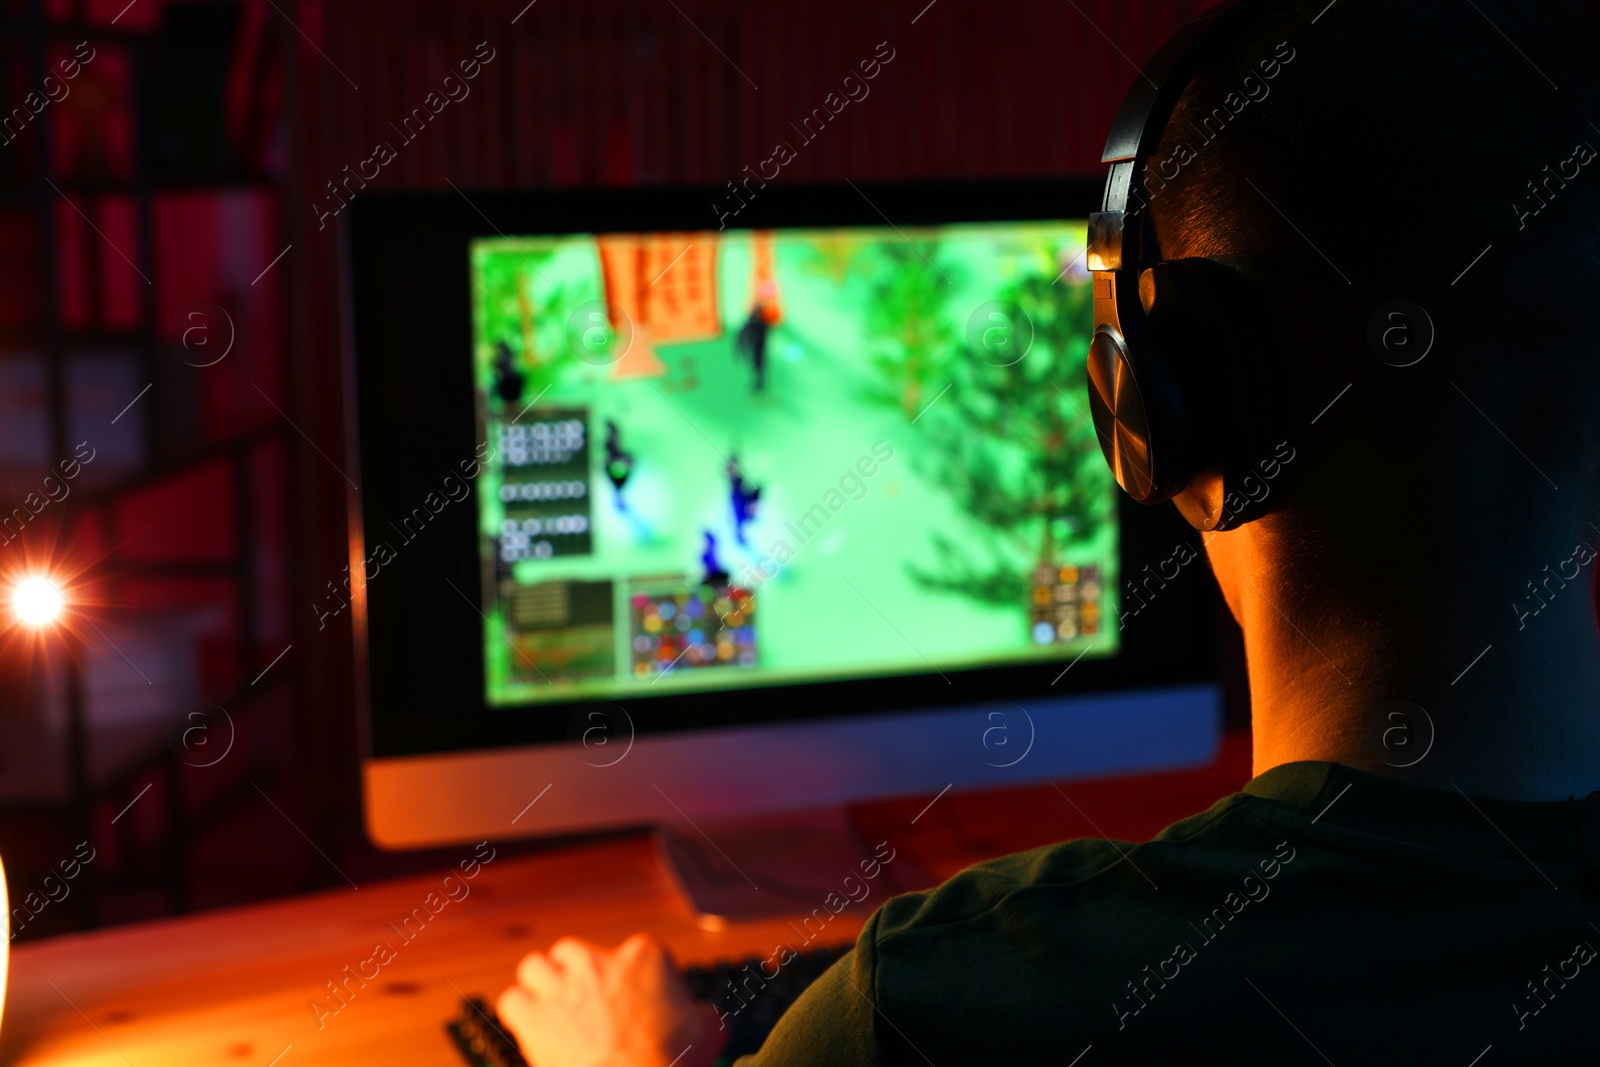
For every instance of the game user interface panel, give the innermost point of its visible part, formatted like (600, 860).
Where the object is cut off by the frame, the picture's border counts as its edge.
(749, 457)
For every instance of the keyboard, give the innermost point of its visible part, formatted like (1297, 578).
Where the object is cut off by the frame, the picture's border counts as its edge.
(484, 1042)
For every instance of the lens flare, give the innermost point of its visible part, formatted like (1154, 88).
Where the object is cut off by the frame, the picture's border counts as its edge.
(37, 601)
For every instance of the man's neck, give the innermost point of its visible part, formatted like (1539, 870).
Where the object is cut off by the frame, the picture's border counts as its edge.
(1439, 674)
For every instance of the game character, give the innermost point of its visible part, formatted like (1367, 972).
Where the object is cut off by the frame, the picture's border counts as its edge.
(752, 338)
(619, 462)
(716, 573)
(744, 497)
(752, 343)
(508, 380)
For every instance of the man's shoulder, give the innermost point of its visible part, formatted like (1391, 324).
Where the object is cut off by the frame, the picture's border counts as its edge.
(1071, 875)
(1021, 945)
(1028, 951)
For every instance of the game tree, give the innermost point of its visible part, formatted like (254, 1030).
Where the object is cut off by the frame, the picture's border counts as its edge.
(1013, 446)
(908, 332)
(520, 305)
(834, 255)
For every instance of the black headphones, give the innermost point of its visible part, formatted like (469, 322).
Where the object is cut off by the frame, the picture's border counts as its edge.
(1167, 368)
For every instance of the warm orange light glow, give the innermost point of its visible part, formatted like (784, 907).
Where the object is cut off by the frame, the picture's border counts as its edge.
(5, 946)
(37, 601)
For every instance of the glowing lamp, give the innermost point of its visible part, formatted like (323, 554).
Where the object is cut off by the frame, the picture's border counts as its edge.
(37, 601)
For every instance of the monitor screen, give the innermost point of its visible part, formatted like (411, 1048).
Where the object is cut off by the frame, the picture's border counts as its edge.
(758, 457)
(832, 461)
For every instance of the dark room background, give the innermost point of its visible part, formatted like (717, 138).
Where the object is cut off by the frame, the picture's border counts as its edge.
(170, 323)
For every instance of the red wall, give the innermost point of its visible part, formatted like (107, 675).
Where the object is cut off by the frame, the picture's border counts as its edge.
(623, 91)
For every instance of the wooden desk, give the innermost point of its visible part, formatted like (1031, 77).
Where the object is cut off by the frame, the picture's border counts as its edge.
(236, 987)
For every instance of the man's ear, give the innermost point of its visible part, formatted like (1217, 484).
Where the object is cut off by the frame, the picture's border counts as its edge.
(1202, 501)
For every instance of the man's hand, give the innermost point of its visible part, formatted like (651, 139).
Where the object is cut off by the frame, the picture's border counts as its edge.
(585, 1006)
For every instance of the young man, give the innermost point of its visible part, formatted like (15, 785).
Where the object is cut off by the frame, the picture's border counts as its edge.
(1414, 872)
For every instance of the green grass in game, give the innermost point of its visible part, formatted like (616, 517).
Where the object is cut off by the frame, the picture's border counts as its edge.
(931, 495)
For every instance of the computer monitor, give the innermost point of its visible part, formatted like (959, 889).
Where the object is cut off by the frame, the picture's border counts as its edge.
(682, 505)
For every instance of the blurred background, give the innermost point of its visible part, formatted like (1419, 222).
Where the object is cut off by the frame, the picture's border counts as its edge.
(170, 334)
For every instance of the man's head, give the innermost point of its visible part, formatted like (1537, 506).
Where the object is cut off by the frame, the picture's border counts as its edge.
(1394, 141)
(1346, 155)
(1445, 153)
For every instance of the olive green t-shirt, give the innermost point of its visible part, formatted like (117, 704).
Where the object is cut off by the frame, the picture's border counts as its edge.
(1322, 915)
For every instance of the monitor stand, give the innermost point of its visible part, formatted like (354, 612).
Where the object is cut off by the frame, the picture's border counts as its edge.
(811, 865)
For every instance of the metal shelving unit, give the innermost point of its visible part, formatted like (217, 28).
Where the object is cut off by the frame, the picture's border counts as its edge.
(144, 858)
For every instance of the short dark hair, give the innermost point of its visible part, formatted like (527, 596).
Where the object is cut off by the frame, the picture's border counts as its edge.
(1393, 142)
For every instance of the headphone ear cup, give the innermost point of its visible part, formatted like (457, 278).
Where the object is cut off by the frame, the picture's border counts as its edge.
(1168, 394)
(1138, 416)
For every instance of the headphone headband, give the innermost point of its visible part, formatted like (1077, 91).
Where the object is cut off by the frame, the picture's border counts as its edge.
(1137, 402)
(1152, 97)
(1142, 119)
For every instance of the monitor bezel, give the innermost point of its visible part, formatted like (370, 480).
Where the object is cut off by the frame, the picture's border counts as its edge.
(408, 251)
